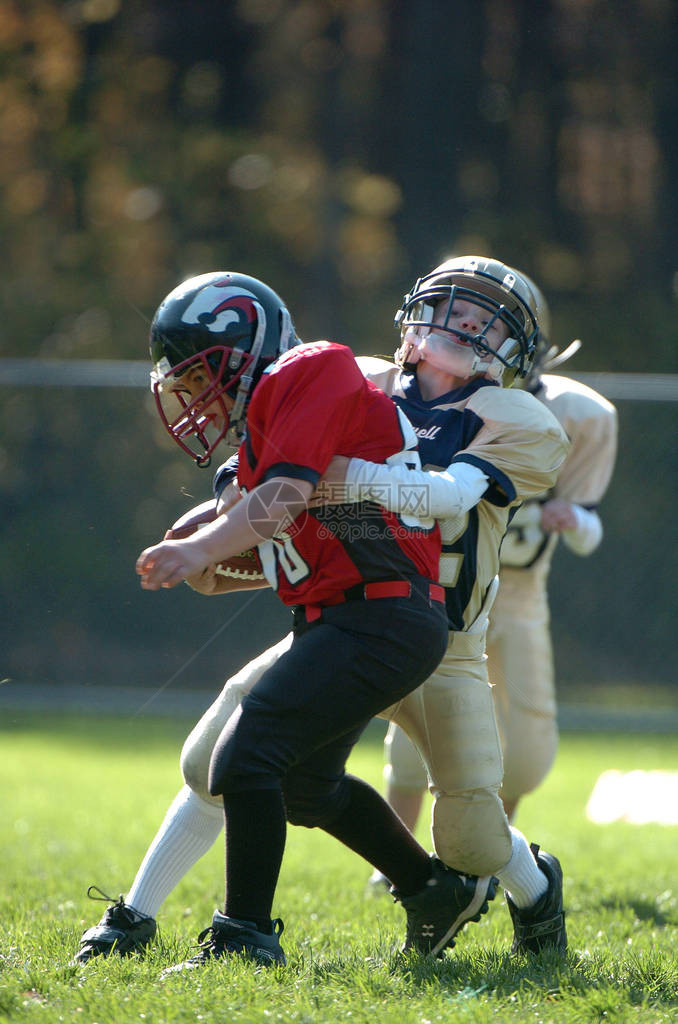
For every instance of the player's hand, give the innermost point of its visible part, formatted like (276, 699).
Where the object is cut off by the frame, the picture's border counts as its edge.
(206, 582)
(331, 488)
(170, 562)
(557, 515)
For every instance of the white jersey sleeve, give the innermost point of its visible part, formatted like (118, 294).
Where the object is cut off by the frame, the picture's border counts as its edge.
(436, 495)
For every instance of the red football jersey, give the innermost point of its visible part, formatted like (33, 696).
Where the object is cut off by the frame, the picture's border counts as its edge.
(314, 403)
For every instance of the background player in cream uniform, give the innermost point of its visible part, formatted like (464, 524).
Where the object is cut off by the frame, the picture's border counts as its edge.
(519, 640)
(520, 657)
(467, 328)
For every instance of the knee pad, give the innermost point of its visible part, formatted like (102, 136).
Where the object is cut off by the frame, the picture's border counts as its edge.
(529, 755)
(521, 667)
(313, 805)
(194, 764)
(471, 831)
(307, 815)
(197, 750)
(201, 741)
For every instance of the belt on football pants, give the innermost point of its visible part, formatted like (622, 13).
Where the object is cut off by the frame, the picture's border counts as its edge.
(374, 592)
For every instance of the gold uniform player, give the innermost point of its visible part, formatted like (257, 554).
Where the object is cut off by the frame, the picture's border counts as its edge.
(520, 657)
(467, 328)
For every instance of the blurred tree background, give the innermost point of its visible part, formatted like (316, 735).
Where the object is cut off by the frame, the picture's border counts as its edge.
(337, 149)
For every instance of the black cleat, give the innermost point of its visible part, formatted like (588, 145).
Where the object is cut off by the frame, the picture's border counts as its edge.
(121, 930)
(440, 910)
(543, 925)
(229, 936)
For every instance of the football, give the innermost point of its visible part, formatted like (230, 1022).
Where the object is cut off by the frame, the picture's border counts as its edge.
(245, 566)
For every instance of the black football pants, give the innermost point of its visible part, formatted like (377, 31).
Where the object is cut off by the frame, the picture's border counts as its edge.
(297, 726)
(282, 754)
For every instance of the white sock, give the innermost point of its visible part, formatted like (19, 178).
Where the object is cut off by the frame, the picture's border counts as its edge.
(190, 828)
(523, 881)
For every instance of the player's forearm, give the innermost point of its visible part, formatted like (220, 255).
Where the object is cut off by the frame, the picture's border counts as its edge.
(255, 518)
(440, 495)
(264, 512)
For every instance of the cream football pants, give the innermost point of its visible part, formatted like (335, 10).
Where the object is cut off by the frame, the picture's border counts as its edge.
(451, 720)
(520, 666)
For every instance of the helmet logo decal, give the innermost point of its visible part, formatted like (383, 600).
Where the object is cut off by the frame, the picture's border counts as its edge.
(216, 307)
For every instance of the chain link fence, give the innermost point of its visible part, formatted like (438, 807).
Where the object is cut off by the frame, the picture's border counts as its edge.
(89, 478)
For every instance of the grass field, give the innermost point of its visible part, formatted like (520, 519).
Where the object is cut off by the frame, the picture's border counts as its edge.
(82, 797)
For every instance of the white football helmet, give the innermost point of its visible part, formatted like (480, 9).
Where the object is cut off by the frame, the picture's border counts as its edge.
(500, 291)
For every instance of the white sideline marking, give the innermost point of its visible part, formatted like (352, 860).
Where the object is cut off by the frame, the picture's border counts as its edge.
(637, 797)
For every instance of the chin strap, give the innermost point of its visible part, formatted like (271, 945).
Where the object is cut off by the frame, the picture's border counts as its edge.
(493, 364)
(501, 361)
(236, 427)
(288, 339)
(492, 368)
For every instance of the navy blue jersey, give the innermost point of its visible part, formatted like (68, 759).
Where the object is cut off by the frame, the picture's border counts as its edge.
(508, 434)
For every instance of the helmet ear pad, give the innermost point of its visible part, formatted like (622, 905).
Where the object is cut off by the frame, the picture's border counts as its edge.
(510, 350)
(409, 354)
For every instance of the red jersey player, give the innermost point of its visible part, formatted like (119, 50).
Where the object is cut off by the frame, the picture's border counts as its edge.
(369, 622)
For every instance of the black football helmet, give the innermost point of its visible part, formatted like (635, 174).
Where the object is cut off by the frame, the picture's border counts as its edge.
(230, 325)
(499, 290)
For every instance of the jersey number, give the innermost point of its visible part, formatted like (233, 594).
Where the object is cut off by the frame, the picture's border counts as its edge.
(277, 553)
(451, 561)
